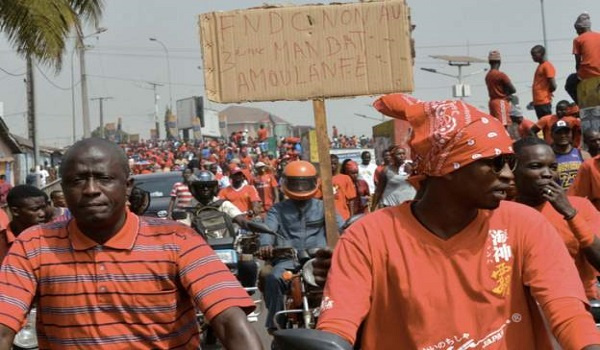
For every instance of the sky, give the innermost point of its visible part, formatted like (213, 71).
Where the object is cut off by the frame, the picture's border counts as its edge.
(122, 61)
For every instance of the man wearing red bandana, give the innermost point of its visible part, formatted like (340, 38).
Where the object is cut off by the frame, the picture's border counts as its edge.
(459, 268)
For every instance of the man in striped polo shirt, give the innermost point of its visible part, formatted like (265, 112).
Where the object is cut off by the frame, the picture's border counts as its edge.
(111, 279)
(181, 197)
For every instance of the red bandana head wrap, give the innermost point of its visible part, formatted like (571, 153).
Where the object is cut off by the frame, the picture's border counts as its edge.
(447, 135)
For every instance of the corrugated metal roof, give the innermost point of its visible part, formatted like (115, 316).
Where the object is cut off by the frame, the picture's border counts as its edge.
(249, 115)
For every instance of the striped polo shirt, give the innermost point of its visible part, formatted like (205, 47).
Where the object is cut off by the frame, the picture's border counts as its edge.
(182, 193)
(137, 291)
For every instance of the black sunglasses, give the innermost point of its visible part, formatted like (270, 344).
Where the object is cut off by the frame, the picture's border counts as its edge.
(497, 163)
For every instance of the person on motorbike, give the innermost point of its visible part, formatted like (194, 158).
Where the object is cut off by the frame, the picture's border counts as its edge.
(204, 186)
(300, 224)
(460, 251)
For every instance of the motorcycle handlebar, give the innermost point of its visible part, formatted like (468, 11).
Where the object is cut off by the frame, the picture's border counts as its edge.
(308, 339)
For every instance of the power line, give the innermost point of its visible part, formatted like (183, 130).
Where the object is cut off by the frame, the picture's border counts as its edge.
(136, 80)
(11, 74)
(50, 81)
(490, 43)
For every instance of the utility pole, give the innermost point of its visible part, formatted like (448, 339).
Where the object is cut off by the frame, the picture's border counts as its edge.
(31, 119)
(544, 27)
(84, 93)
(80, 47)
(101, 100)
(156, 123)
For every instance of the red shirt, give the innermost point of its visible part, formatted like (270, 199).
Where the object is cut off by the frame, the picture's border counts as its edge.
(545, 124)
(343, 191)
(591, 219)
(411, 289)
(361, 200)
(524, 129)
(248, 161)
(587, 46)
(541, 86)
(139, 289)
(587, 181)
(242, 197)
(496, 81)
(264, 185)
(262, 134)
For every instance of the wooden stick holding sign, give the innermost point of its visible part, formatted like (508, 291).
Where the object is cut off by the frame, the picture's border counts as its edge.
(300, 53)
(325, 172)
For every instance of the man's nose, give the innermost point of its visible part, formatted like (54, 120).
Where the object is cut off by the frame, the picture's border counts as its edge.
(506, 174)
(91, 186)
(547, 173)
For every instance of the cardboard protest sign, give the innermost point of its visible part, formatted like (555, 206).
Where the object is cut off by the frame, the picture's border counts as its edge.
(307, 52)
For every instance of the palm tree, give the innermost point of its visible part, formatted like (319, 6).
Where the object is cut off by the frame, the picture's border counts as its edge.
(38, 30)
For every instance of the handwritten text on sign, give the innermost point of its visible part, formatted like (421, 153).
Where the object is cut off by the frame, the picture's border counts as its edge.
(304, 52)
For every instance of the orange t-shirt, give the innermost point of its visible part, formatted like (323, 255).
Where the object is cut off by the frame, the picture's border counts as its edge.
(587, 181)
(343, 191)
(590, 215)
(587, 46)
(242, 197)
(414, 290)
(262, 134)
(248, 161)
(264, 185)
(495, 81)
(541, 86)
(545, 124)
(524, 129)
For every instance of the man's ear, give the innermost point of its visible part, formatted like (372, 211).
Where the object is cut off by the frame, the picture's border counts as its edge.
(14, 211)
(129, 185)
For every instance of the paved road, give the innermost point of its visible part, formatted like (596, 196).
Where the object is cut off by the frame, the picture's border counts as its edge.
(259, 326)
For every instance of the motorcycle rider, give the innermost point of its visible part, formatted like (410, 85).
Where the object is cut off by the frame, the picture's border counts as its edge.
(204, 187)
(299, 222)
(485, 267)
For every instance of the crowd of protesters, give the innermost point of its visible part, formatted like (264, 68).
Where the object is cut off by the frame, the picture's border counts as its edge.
(478, 195)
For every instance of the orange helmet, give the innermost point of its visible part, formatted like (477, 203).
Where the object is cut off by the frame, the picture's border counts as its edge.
(299, 180)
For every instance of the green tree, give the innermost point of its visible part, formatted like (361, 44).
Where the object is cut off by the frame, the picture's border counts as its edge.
(40, 28)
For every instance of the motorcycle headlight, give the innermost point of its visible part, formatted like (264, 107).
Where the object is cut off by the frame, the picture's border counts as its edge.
(27, 336)
(308, 273)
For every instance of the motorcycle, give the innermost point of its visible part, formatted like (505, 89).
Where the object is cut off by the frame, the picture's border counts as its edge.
(238, 254)
(308, 339)
(303, 299)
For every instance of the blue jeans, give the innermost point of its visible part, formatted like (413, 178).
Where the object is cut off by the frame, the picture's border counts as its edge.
(275, 289)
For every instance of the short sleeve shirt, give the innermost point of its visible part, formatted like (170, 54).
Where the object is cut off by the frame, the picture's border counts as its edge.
(496, 81)
(242, 198)
(587, 46)
(182, 193)
(481, 280)
(140, 287)
(541, 86)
